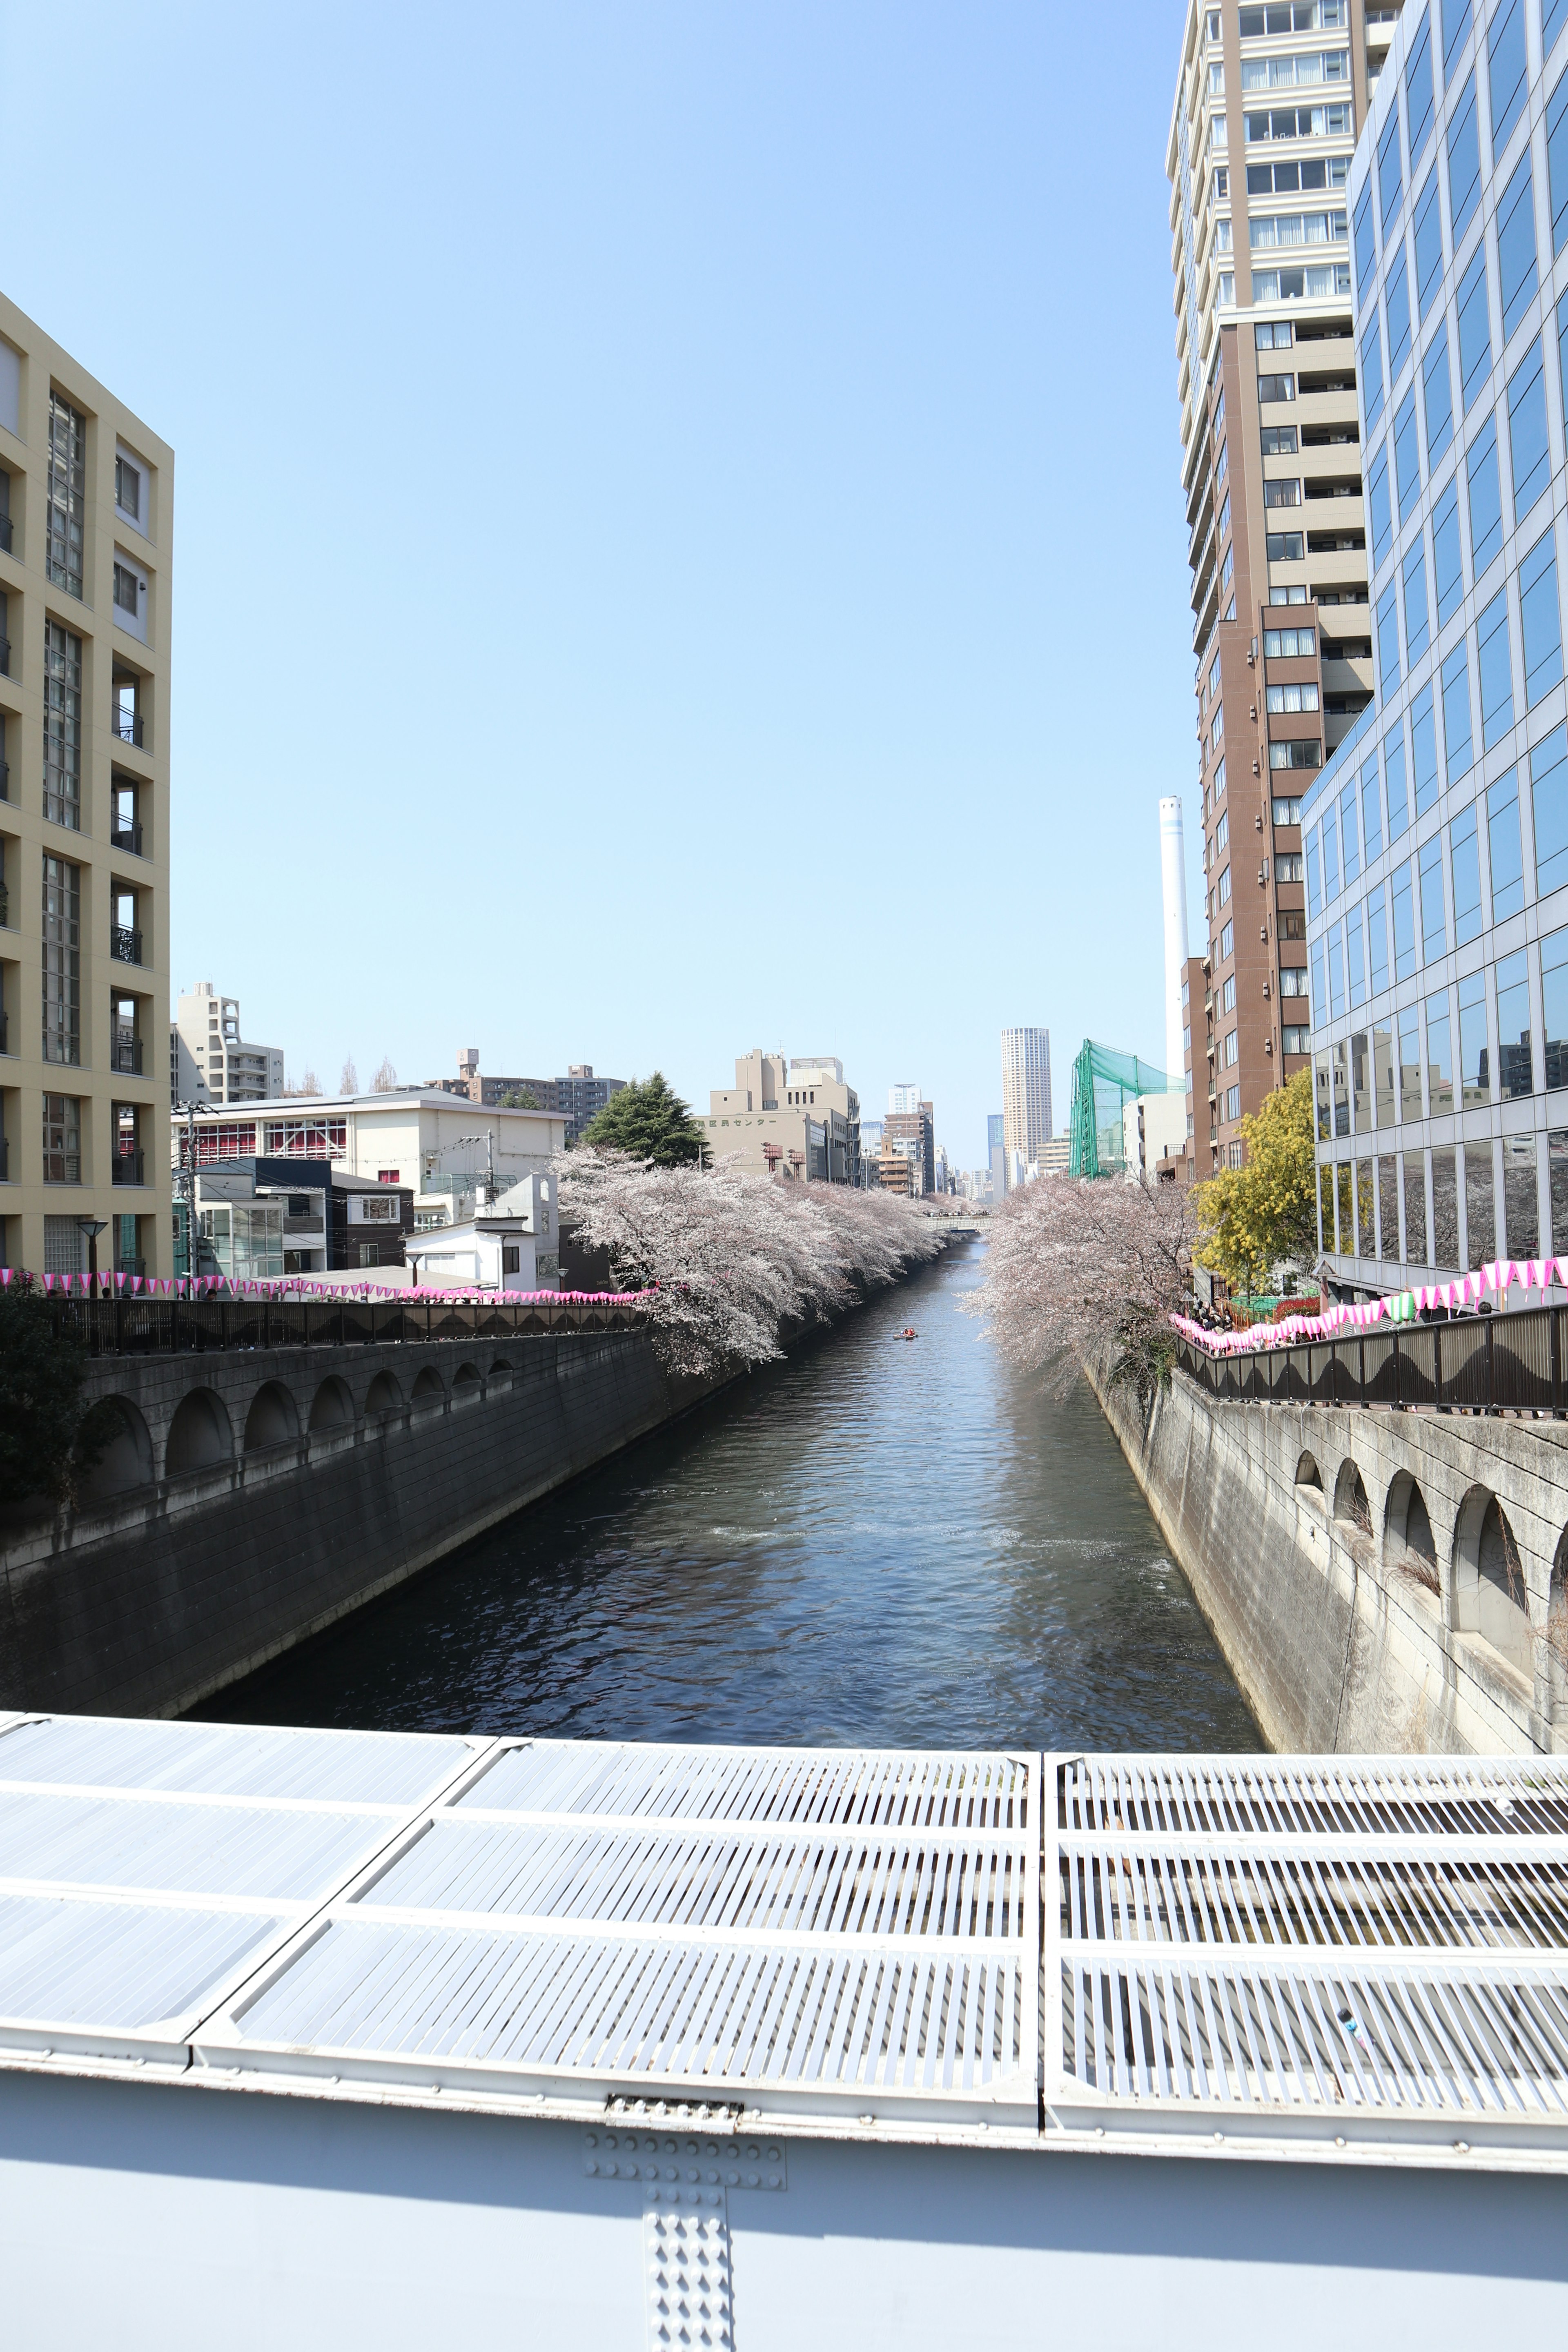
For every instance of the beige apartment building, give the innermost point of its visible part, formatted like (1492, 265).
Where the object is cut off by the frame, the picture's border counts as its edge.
(210, 1062)
(1267, 106)
(86, 537)
(794, 1118)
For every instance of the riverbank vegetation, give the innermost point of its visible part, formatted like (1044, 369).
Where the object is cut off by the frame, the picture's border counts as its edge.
(1089, 1270)
(728, 1260)
(1251, 1217)
(50, 1439)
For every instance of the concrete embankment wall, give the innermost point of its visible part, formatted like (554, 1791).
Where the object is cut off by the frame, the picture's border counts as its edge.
(149, 1601)
(1332, 1633)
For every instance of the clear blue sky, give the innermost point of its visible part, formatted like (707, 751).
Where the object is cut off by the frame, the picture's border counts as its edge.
(679, 535)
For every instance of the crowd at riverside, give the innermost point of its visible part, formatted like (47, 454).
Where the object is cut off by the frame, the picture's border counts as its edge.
(1499, 1276)
(717, 1261)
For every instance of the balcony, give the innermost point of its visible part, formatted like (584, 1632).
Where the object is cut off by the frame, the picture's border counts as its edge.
(125, 1056)
(126, 1168)
(129, 726)
(124, 945)
(128, 837)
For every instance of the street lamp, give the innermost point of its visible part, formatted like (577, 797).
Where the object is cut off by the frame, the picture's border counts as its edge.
(91, 1227)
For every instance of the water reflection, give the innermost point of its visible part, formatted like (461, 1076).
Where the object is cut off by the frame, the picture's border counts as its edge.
(880, 1541)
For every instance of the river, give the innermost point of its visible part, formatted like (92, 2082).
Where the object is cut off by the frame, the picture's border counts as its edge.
(876, 1542)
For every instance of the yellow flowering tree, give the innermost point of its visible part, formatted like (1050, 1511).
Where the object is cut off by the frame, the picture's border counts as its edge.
(1250, 1217)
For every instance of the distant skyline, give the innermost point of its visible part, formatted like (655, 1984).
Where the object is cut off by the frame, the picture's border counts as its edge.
(679, 545)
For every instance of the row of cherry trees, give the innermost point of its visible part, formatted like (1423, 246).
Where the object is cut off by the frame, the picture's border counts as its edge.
(1080, 1272)
(728, 1258)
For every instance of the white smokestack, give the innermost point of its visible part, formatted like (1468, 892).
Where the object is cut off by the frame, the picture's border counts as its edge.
(1173, 884)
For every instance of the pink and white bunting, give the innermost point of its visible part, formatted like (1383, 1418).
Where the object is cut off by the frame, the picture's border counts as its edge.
(1498, 1278)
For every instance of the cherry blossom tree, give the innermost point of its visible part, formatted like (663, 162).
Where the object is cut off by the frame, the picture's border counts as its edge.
(729, 1259)
(1088, 1271)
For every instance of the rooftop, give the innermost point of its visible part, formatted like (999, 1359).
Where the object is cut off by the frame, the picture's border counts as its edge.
(1241, 1954)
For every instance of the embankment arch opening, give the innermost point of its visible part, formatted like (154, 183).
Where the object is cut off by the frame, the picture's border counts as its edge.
(1409, 1545)
(200, 1436)
(332, 1407)
(1308, 1473)
(427, 1389)
(467, 1387)
(1351, 1505)
(383, 1398)
(1491, 1596)
(126, 1461)
(273, 1418)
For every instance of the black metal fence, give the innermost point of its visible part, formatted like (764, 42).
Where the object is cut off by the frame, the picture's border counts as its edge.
(136, 1326)
(1482, 1364)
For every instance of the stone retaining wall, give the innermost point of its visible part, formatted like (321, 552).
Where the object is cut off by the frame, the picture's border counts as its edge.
(253, 1499)
(1331, 1628)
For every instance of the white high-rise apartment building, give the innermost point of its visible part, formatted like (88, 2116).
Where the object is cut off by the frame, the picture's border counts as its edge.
(902, 1099)
(209, 1062)
(1025, 1093)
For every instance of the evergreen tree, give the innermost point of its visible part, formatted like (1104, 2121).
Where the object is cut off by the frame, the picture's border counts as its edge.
(47, 1439)
(648, 1120)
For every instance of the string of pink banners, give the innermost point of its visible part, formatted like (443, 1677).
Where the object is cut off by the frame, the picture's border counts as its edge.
(211, 1285)
(1500, 1276)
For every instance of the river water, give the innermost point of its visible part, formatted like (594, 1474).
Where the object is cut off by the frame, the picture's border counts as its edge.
(881, 1542)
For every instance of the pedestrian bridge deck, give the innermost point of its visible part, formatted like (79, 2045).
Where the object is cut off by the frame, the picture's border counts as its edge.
(1325, 1957)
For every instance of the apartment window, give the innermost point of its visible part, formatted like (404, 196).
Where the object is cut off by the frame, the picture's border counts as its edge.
(1473, 1084)
(1293, 980)
(1377, 930)
(1464, 852)
(1298, 122)
(1423, 742)
(1396, 303)
(1549, 806)
(1218, 782)
(1485, 499)
(1434, 919)
(1506, 70)
(1217, 728)
(1279, 441)
(126, 589)
(1292, 698)
(1372, 371)
(1417, 618)
(1285, 546)
(1437, 394)
(1495, 669)
(1233, 1103)
(1224, 523)
(1230, 1050)
(66, 495)
(1349, 848)
(1464, 163)
(62, 1139)
(1475, 331)
(1288, 869)
(1407, 455)
(1505, 851)
(1557, 163)
(1225, 887)
(1284, 645)
(1439, 1057)
(1528, 445)
(1265, 231)
(1365, 245)
(1418, 91)
(62, 960)
(1295, 754)
(1428, 245)
(1372, 814)
(1387, 641)
(1379, 509)
(1225, 570)
(1394, 776)
(125, 1045)
(127, 489)
(1214, 24)
(1554, 1013)
(1514, 1075)
(1541, 622)
(1222, 834)
(1456, 737)
(1404, 922)
(1282, 494)
(62, 726)
(1295, 1040)
(1217, 78)
(1227, 942)
(1447, 561)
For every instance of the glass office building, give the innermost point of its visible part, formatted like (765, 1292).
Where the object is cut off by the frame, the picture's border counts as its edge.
(1436, 837)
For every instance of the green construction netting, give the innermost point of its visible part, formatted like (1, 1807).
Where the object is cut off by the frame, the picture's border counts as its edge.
(1103, 1083)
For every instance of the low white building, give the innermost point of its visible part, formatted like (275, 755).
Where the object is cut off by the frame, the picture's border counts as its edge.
(452, 1153)
(1153, 1127)
(512, 1246)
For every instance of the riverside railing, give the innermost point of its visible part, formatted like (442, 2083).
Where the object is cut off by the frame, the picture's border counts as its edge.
(135, 1327)
(1480, 1363)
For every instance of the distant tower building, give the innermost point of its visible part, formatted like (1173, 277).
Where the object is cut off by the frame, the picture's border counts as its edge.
(904, 1099)
(1025, 1093)
(1174, 886)
(997, 1153)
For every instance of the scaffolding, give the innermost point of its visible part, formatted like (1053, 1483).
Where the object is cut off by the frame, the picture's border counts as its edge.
(1103, 1083)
